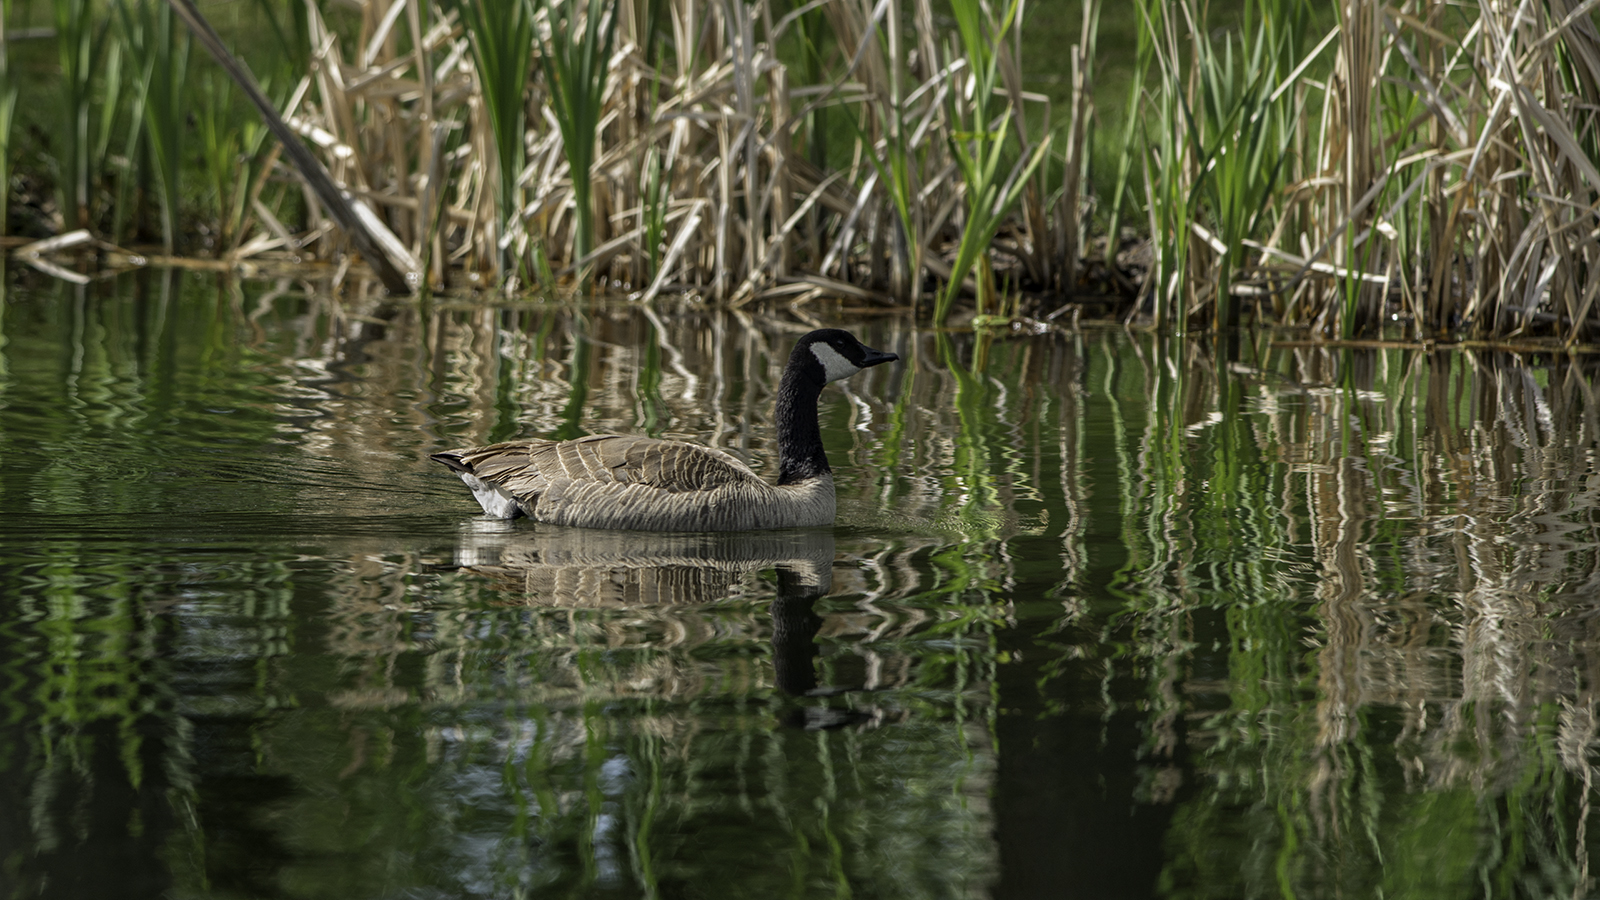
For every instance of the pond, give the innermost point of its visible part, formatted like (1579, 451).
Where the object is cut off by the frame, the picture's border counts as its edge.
(1104, 614)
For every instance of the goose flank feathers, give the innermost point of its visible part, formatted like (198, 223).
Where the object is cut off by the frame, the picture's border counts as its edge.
(646, 484)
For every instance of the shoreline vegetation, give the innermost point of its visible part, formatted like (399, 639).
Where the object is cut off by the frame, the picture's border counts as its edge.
(1412, 171)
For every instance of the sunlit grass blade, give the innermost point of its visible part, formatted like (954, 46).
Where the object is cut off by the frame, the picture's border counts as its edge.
(80, 47)
(163, 51)
(576, 67)
(502, 38)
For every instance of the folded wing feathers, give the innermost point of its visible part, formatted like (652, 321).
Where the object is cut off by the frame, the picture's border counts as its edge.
(524, 467)
(500, 463)
(635, 482)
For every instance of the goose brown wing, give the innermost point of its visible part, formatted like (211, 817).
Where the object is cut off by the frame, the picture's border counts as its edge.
(528, 468)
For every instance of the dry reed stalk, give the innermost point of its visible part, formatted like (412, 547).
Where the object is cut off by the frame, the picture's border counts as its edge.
(1444, 169)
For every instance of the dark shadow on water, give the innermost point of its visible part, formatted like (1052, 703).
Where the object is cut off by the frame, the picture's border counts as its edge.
(104, 835)
(1068, 821)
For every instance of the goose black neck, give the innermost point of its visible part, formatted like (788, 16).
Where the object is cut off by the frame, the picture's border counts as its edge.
(800, 454)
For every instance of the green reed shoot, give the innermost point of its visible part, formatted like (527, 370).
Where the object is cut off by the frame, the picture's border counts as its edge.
(80, 44)
(1166, 201)
(810, 26)
(109, 96)
(978, 146)
(655, 194)
(1122, 184)
(219, 147)
(8, 108)
(900, 170)
(229, 144)
(502, 45)
(156, 40)
(576, 67)
(899, 175)
(1242, 127)
(1215, 147)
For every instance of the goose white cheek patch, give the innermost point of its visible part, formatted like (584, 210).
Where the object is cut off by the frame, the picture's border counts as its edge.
(833, 362)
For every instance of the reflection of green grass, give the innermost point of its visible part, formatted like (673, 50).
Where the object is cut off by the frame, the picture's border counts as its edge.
(652, 411)
(1320, 767)
(973, 479)
(573, 417)
(96, 388)
(1280, 617)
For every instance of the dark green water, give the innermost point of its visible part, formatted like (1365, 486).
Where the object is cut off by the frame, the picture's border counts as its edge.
(1103, 615)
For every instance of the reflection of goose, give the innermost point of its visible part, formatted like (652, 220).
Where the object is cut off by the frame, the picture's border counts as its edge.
(577, 567)
(794, 631)
(573, 568)
(619, 481)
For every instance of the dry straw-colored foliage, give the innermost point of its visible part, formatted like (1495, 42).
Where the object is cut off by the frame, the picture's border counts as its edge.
(1425, 164)
(719, 169)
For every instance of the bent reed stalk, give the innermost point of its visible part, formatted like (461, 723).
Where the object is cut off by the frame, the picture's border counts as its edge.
(1408, 163)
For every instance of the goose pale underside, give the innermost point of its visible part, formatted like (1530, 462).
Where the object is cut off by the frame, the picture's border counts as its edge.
(625, 481)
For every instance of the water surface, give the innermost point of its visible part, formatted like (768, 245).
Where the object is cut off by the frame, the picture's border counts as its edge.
(1104, 615)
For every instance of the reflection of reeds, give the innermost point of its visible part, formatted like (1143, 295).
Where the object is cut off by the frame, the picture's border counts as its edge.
(499, 373)
(1446, 552)
(368, 679)
(1348, 592)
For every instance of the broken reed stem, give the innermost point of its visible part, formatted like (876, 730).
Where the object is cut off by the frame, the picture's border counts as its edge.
(359, 230)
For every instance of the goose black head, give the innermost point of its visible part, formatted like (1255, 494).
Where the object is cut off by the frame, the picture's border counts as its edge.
(837, 354)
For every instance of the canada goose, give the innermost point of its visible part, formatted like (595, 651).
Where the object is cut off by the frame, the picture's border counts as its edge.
(644, 484)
